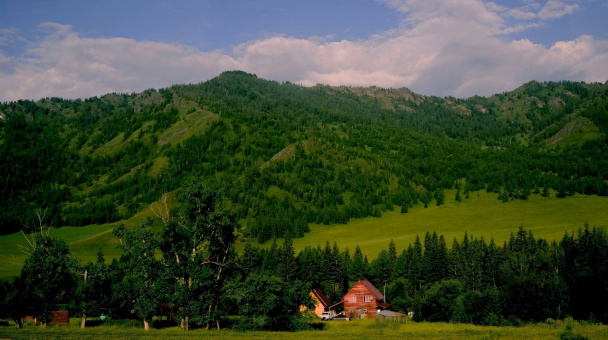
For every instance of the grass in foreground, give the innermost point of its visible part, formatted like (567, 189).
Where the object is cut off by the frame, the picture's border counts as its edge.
(359, 329)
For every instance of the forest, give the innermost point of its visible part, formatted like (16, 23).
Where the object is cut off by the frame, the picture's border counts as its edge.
(206, 283)
(255, 161)
(283, 156)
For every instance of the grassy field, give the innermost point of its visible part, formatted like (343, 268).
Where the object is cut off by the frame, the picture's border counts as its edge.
(480, 215)
(84, 243)
(357, 329)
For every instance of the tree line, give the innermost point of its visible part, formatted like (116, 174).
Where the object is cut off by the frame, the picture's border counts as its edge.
(192, 266)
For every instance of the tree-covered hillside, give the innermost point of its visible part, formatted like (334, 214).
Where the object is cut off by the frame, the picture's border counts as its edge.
(283, 155)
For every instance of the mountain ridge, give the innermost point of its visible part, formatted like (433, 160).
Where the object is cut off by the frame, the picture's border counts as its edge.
(102, 159)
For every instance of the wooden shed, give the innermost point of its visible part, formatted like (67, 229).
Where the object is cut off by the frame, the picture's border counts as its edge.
(390, 316)
(60, 317)
(363, 300)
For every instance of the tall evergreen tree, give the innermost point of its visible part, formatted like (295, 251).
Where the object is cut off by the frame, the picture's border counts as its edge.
(287, 263)
(380, 269)
(358, 270)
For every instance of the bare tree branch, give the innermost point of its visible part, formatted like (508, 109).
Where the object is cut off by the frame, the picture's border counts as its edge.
(158, 211)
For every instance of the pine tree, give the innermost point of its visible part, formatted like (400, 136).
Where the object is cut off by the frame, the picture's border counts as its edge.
(401, 267)
(358, 270)
(269, 261)
(249, 262)
(392, 252)
(545, 192)
(439, 197)
(286, 261)
(380, 269)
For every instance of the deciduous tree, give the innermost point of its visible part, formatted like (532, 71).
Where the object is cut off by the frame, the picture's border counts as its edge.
(48, 276)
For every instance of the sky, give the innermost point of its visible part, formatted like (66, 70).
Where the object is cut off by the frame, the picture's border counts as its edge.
(85, 48)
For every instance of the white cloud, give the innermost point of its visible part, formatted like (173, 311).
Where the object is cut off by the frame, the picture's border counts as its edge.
(54, 29)
(65, 64)
(556, 9)
(9, 36)
(451, 47)
(520, 14)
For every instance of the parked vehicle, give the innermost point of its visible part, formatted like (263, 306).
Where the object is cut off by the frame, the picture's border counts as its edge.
(341, 318)
(329, 315)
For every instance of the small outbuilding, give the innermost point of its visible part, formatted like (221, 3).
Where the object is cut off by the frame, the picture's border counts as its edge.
(322, 304)
(390, 316)
(60, 317)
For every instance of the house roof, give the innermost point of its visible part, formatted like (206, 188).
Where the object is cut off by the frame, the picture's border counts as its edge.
(383, 305)
(321, 297)
(372, 289)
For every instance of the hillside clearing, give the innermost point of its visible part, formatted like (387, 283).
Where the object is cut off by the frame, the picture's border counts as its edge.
(481, 215)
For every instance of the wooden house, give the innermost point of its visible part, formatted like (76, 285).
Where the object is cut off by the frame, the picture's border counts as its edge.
(321, 302)
(363, 300)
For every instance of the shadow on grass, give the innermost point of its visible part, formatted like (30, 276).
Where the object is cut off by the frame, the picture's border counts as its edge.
(94, 323)
(317, 326)
(160, 324)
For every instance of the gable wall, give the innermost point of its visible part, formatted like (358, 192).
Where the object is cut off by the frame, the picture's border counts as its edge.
(358, 292)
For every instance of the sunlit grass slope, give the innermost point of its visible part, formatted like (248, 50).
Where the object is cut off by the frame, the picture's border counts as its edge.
(481, 215)
(84, 242)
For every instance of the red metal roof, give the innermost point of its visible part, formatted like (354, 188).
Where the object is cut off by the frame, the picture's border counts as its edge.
(384, 305)
(372, 289)
(321, 297)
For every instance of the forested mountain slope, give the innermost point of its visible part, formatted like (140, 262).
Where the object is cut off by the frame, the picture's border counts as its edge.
(283, 155)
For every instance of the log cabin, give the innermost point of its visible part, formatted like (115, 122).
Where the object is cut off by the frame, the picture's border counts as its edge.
(363, 300)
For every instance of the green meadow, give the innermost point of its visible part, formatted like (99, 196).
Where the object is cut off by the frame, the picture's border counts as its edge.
(84, 243)
(356, 329)
(481, 215)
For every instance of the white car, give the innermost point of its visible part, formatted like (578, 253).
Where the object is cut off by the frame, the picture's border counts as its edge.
(329, 315)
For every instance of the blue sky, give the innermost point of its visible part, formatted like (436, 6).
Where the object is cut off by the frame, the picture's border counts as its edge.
(461, 48)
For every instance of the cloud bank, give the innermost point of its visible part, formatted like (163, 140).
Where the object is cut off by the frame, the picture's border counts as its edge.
(446, 47)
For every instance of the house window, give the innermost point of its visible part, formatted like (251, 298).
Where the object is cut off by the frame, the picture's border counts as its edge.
(368, 298)
(352, 298)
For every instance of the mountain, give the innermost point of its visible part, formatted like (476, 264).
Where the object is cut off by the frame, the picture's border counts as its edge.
(283, 155)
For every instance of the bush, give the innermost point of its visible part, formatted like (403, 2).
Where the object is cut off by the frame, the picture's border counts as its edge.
(568, 333)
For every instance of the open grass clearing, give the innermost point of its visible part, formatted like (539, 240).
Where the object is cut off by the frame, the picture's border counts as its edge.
(481, 215)
(84, 242)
